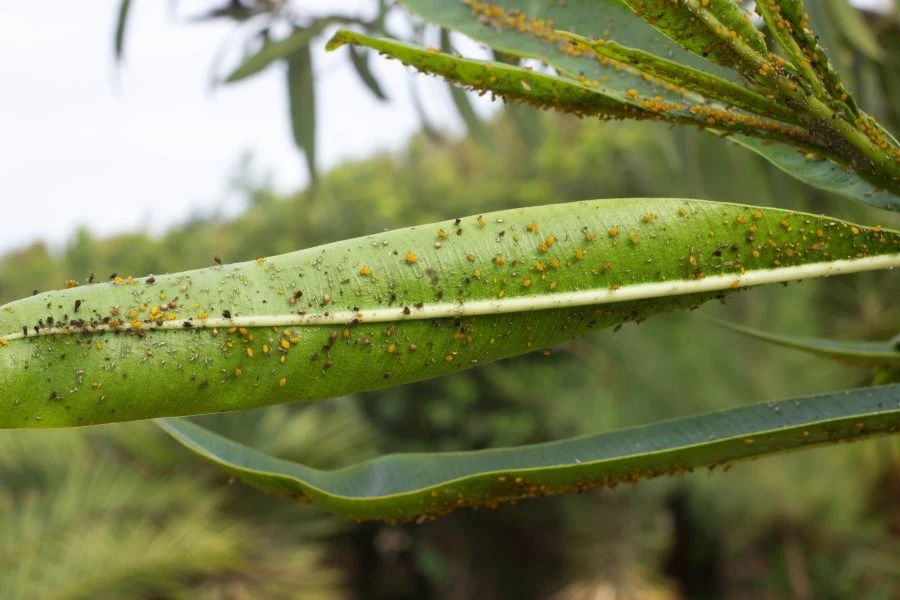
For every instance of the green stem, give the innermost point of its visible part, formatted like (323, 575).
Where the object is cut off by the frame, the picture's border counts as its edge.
(887, 167)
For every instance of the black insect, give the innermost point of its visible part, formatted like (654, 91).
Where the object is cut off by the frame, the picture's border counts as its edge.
(226, 314)
(217, 259)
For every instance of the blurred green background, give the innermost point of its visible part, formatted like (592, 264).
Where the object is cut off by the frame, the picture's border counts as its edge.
(124, 512)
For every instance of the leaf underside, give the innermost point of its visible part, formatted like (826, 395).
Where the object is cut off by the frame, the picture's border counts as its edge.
(406, 486)
(395, 307)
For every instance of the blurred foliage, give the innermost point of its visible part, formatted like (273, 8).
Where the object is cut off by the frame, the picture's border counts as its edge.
(123, 512)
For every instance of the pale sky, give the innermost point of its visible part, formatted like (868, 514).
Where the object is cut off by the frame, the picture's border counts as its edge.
(145, 147)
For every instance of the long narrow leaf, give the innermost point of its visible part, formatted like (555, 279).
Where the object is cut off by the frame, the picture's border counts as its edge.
(818, 171)
(581, 96)
(302, 102)
(474, 124)
(396, 307)
(869, 353)
(406, 486)
(272, 51)
(360, 61)
(121, 28)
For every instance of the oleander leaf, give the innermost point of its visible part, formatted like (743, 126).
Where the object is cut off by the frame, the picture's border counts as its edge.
(274, 50)
(581, 96)
(885, 354)
(719, 30)
(531, 30)
(820, 172)
(121, 28)
(396, 307)
(407, 486)
(302, 103)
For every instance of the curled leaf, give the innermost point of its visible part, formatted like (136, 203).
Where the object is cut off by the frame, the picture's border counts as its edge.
(407, 486)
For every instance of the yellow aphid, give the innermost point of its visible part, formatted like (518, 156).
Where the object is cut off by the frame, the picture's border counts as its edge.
(579, 254)
(499, 260)
(365, 271)
(539, 266)
(442, 234)
(282, 382)
(532, 226)
(526, 283)
(480, 221)
(98, 345)
(613, 232)
(250, 352)
(260, 260)
(648, 217)
(410, 258)
(551, 239)
(70, 283)
(285, 344)
(237, 372)
(203, 315)
(634, 238)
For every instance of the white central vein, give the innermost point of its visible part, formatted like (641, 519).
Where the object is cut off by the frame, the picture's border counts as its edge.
(548, 301)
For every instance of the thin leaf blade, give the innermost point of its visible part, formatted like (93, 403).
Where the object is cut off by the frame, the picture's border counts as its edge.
(121, 29)
(885, 354)
(272, 51)
(302, 104)
(360, 61)
(409, 486)
(820, 172)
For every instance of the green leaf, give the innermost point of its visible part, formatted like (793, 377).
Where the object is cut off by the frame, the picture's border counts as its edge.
(691, 78)
(530, 30)
(272, 51)
(121, 25)
(474, 124)
(580, 96)
(820, 172)
(406, 486)
(715, 29)
(854, 29)
(396, 307)
(302, 102)
(869, 353)
(360, 61)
